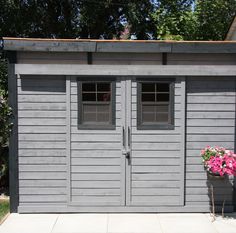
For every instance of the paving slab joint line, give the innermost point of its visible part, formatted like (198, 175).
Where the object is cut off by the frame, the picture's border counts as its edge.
(55, 223)
(158, 219)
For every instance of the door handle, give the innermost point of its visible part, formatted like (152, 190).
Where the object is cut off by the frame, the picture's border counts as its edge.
(129, 137)
(123, 136)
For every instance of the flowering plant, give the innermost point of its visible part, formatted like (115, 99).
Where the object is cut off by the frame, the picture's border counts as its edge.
(219, 161)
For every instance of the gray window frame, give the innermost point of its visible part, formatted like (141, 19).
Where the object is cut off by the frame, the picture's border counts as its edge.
(81, 125)
(157, 126)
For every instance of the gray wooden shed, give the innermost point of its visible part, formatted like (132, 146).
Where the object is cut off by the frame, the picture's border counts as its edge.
(117, 126)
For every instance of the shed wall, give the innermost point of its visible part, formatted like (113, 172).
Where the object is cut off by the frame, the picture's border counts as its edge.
(210, 121)
(42, 139)
(42, 120)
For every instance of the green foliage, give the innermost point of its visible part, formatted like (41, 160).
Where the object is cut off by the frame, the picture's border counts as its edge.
(173, 19)
(146, 19)
(5, 125)
(4, 208)
(213, 18)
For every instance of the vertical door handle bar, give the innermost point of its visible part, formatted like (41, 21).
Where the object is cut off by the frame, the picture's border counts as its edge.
(123, 136)
(129, 137)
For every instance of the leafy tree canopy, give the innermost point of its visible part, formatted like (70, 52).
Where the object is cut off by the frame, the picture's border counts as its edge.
(108, 19)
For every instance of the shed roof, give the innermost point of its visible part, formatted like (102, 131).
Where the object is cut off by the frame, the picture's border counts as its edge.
(131, 46)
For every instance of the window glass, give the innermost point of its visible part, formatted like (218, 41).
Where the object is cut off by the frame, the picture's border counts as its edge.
(96, 105)
(155, 106)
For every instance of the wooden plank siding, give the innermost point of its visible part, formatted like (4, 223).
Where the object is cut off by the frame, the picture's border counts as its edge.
(42, 140)
(156, 159)
(125, 58)
(210, 121)
(95, 162)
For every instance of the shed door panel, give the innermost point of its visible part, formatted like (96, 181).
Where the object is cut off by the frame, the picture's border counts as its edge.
(155, 169)
(96, 161)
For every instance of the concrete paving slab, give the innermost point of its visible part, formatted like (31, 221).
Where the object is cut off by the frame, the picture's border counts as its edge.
(29, 223)
(81, 223)
(225, 225)
(186, 223)
(133, 223)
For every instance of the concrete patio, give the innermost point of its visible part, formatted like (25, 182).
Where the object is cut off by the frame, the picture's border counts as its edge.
(118, 223)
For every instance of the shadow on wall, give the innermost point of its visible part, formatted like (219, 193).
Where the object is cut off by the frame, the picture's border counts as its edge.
(220, 192)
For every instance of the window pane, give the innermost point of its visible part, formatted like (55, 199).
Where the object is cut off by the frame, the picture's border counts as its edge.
(148, 117)
(88, 108)
(103, 108)
(103, 96)
(103, 87)
(162, 108)
(162, 117)
(148, 97)
(163, 97)
(89, 117)
(148, 87)
(163, 87)
(89, 97)
(103, 117)
(88, 87)
(149, 108)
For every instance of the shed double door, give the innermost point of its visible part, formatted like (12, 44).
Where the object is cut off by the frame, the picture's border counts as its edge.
(137, 162)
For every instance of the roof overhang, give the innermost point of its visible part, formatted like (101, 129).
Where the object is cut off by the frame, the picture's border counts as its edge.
(116, 46)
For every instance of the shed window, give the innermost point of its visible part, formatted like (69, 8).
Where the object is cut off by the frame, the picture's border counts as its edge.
(155, 105)
(96, 105)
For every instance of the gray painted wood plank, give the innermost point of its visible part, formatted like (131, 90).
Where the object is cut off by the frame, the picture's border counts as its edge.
(49, 46)
(155, 176)
(155, 191)
(41, 98)
(155, 200)
(42, 137)
(212, 130)
(90, 200)
(42, 152)
(42, 175)
(43, 168)
(156, 146)
(42, 198)
(211, 107)
(38, 145)
(156, 154)
(211, 115)
(97, 145)
(95, 184)
(95, 169)
(94, 177)
(95, 161)
(42, 190)
(155, 184)
(41, 121)
(155, 161)
(41, 129)
(42, 106)
(95, 154)
(43, 160)
(156, 169)
(13, 148)
(41, 114)
(210, 122)
(125, 70)
(42, 183)
(96, 192)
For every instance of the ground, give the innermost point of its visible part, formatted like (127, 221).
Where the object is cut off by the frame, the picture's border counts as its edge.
(4, 208)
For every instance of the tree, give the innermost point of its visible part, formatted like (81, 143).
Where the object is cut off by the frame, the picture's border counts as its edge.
(174, 19)
(213, 18)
